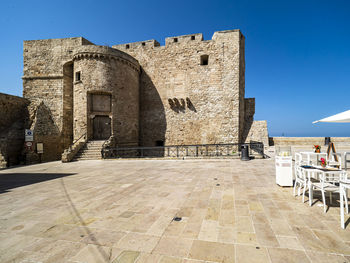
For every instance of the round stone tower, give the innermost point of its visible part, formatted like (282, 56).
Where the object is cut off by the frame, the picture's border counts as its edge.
(106, 95)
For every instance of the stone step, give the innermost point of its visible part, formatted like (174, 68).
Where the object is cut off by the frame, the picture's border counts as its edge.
(96, 142)
(88, 154)
(90, 151)
(94, 145)
(86, 158)
(92, 148)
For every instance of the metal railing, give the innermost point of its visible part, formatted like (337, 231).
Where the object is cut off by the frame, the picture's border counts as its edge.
(180, 151)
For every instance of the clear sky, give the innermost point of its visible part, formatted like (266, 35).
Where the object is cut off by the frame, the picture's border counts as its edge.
(297, 52)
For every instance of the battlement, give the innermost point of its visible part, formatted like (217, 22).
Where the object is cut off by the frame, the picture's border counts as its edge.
(184, 38)
(133, 45)
(170, 41)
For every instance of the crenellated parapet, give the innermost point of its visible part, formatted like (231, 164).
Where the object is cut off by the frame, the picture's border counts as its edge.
(191, 39)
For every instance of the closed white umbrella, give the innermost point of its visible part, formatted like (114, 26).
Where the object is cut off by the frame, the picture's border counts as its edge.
(342, 117)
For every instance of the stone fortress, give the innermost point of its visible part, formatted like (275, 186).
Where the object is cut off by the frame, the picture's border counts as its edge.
(190, 91)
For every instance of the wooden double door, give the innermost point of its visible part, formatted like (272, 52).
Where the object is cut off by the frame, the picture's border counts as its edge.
(101, 127)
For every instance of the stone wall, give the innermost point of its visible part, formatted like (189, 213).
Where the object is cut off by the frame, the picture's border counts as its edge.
(13, 115)
(184, 102)
(47, 82)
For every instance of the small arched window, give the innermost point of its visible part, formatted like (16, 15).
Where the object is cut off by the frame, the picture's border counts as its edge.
(204, 60)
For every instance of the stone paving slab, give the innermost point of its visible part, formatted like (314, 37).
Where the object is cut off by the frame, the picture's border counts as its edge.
(123, 210)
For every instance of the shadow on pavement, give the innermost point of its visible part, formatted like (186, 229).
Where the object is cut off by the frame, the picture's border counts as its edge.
(13, 180)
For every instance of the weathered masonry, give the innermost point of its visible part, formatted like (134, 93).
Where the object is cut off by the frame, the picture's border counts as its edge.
(190, 91)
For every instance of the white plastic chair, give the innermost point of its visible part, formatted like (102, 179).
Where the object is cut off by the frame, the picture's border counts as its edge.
(301, 180)
(327, 183)
(299, 161)
(344, 185)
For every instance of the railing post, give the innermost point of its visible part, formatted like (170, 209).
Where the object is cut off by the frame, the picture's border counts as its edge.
(168, 151)
(206, 150)
(177, 151)
(197, 151)
(186, 151)
(217, 153)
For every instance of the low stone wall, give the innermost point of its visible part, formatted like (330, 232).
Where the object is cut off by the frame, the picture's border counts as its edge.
(11, 108)
(13, 114)
(308, 141)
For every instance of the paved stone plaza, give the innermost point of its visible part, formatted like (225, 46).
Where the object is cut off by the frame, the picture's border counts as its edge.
(122, 211)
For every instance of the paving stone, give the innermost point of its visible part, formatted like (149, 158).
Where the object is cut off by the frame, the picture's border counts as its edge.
(212, 251)
(93, 253)
(289, 242)
(127, 257)
(138, 242)
(246, 238)
(173, 246)
(251, 254)
(287, 255)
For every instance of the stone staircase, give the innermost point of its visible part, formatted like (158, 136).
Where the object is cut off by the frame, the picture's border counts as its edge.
(90, 151)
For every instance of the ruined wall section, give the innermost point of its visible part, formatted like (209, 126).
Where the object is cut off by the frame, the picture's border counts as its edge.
(104, 70)
(258, 132)
(249, 111)
(184, 102)
(253, 130)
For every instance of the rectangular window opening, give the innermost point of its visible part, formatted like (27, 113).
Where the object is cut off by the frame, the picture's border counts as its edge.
(127, 46)
(143, 44)
(159, 143)
(193, 37)
(77, 76)
(204, 60)
(175, 39)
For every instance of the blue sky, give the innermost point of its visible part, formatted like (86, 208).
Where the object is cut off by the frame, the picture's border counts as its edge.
(297, 52)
